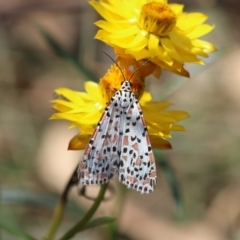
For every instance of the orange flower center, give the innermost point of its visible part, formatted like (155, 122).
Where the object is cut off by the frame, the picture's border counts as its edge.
(111, 82)
(157, 18)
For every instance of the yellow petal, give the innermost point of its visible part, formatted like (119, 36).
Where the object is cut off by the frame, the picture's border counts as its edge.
(157, 105)
(125, 13)
(103, 36)
(153, 45)
(101, 10)
(93, 90)
(108, 26)
(69, 94)
(177, 128)
(157, 72)
(86, 129)
(177, 8)
(86, 108)
(191, 56)
(199, 52)
(63, 105)
(200, 31)
(146, 97)
(179, 115)
(163, 56)
(65, 116)
(159, 143)
(79, 142)
(128, 32)
(90, 118)
(143, 54)
(181, 41)
(139, 41)
(207, 46)
(188, 21)
(170, 49)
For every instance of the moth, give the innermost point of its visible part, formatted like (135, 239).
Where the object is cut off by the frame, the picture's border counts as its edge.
(120, 145)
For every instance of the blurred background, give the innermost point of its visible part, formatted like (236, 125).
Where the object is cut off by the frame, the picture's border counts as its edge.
(49, 44)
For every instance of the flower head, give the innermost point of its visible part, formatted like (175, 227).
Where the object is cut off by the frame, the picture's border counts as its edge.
(156, 30)
(111, 82)
(84, 109)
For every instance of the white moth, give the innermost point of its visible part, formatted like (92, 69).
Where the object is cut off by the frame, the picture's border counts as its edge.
(120, 145)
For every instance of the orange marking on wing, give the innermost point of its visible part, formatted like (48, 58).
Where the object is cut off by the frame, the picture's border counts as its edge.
(101, 176)
(147, 181)
(124, 158)
(83, 165)
(100, 158)
(151, 157)
(130, 111)
(87, 151)
(95, 134)
(115, 139)
(125, 140)
(139, 161)
(131, 179)
(148, 140)
(143, 121)
(106, 141)
(153, 174)
(135, 146)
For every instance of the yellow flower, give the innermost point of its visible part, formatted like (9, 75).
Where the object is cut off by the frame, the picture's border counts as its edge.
(111, 82)
(156, 30)
(84, 109)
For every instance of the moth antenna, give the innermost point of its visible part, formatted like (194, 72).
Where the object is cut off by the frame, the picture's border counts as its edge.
(116, 65)
(140, 67)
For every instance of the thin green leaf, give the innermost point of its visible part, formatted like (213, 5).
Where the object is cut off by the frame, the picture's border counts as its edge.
(171, 178)
(16, 232)
(99, 221)
(120, 236)
(62, 52)
(81, 225)
(11, 195)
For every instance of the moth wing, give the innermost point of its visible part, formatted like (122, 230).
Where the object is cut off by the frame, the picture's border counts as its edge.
(100, 160)
(137, 163)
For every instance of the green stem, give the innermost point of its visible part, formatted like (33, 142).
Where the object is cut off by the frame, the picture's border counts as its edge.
(56, 220)
(60, 208)
(82, 223)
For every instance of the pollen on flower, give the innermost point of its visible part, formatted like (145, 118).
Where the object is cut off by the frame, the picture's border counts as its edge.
(111, 82)
(157, 18)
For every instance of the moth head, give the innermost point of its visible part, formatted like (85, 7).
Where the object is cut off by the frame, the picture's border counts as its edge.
(126, 86)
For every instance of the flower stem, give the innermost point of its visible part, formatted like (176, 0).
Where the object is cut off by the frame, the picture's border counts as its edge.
(60, 208)
(82, 223)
